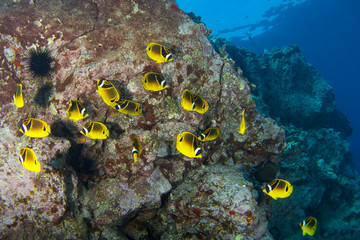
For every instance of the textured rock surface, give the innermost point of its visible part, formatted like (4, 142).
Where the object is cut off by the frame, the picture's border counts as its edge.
(288, 88)
(93, 189)
(213, 201)
(318, 163)
(316, 160)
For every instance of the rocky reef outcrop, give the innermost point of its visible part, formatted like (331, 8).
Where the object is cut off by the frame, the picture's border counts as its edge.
(317, 160)
(92, 189)
(288, 88)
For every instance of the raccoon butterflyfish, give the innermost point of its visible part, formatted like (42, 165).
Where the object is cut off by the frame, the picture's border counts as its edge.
(192, 102)
(128, 107)
(158, 52)
(17, 98)
(108, 92)
(136, 149)
(76, 111)
(95, 130)
(278, 188)
(35, 128)
(242, 127)
(154, 81)
(309, 226)
(209, 134)
(28, 159)
(188, 144)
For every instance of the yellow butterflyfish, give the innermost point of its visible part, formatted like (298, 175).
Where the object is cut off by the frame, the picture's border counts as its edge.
(242, 123)
(136, 149)
(308, 226)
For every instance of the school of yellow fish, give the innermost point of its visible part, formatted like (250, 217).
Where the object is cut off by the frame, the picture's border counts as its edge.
(187, 143)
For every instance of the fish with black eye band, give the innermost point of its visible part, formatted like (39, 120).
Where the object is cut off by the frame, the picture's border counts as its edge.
(35, 128)
(188, 144)
(158, 52)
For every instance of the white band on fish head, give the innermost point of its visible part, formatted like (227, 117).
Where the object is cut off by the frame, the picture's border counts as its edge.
(168, 56)
(197, 151)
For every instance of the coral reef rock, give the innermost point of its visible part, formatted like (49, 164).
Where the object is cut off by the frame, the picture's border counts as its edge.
(92, 188)
(317, 160)
(288, 88)
(213, 201)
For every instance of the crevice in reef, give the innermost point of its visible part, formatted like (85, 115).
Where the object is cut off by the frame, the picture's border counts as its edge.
(220, 91)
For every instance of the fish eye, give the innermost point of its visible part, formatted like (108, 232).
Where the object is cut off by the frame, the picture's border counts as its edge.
(44, 129)
(181, 139)
(286, 189)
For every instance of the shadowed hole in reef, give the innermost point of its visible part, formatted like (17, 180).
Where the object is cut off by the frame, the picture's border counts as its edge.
(43, 95)
(62, 129)
(114, 130)
(82, 164)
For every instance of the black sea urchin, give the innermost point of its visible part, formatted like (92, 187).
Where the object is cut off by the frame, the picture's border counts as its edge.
(39, 62)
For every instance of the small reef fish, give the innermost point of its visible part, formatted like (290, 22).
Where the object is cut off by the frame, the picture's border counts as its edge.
(35, 128)
(278, 188)
(128, 107)
(17, 98)
(242, 123)
(108, 92)
(154, 82)
(192, 102)
(76, 111)
(28, 159)
(188, 144)
(209, 134)
(136, 149)
(95, 130)
(158, 52)
(309, 226)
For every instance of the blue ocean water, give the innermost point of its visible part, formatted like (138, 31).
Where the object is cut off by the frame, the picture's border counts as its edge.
(327, 32)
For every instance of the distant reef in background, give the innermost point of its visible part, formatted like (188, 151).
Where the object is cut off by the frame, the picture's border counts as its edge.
(317, 160)
(288, 88)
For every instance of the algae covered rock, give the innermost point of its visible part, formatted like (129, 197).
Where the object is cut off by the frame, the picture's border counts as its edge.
(288, 87)
(213, 201)
(94, 186)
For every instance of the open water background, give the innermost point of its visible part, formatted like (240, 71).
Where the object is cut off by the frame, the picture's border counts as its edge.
(327, 32)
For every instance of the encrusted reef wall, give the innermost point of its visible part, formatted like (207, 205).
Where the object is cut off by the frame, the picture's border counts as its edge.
(93, 189)
(288, 88)
(317, 160)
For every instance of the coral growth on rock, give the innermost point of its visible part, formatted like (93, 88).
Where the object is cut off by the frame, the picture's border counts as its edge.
(92, 188)
(288, 88)
(316, 160)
